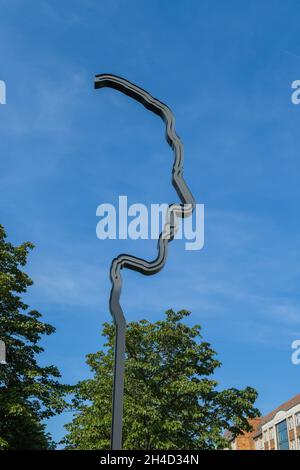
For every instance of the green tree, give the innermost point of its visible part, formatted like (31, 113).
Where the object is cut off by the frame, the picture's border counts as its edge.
(170, 401)
(29, 393)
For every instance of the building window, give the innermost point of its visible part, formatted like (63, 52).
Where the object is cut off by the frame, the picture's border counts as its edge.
(290, 423)
(271, 433)
(282, 435)
(266, 436)
(299, 443)
(259, 444)
(298, 419)
(293, 445)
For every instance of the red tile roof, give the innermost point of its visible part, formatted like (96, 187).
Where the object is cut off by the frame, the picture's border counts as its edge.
(254, 422)
(257, 433)
(285, 407)
(268, 417)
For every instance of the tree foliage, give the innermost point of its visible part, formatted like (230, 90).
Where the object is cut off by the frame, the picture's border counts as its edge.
(171, 400)
(29, 393)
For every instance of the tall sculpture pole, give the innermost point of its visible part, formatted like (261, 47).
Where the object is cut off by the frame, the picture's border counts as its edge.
(2, 352)
(131, 262)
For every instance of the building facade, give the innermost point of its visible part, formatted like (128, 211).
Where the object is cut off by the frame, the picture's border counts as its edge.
(244, 441)
(278, 430)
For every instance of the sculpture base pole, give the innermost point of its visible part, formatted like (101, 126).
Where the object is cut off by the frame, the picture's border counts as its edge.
(118, 390)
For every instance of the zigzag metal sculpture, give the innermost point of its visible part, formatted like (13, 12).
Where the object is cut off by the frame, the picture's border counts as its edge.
(137, 264)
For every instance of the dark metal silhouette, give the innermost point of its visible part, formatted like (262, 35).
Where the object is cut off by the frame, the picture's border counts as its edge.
(131, 262)
(2, 352)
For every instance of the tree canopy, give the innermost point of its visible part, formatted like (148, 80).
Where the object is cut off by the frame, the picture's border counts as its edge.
(29, 393)
(171, 399)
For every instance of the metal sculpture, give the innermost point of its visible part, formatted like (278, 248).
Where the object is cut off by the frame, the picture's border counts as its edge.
(131, 262)
(2, 352)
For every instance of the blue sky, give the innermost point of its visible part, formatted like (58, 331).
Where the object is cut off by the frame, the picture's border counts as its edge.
(226, 70)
